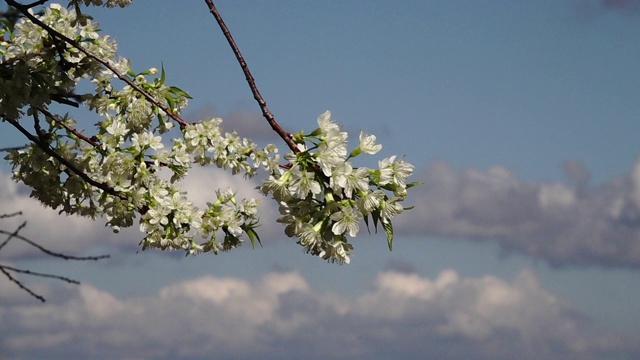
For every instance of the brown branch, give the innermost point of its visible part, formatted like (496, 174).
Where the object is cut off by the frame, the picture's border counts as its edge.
(64, 99)
(286, 136)
(75, 132)
(55, 34)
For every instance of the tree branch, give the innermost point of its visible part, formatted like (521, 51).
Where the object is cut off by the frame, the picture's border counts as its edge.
(286, 136)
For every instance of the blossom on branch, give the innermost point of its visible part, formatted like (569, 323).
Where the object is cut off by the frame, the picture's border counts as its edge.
(117, 172)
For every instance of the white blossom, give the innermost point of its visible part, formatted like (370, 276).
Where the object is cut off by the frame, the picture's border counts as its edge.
(368, 144)
(346, 221)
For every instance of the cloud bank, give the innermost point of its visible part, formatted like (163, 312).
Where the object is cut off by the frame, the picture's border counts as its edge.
(402, 316)
(564, 224)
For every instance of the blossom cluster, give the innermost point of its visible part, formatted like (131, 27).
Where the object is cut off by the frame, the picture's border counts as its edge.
(132, 166)
(323, 197)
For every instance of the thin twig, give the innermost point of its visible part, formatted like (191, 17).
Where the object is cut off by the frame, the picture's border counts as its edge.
(17, 282)
(44, 275)
(286, 136)
(75, 132)
(49, 252)
(4, 216)
(12, 235)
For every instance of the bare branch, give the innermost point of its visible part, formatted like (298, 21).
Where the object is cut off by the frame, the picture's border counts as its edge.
(4, 216)
(5, 269)
(286, 136)
(45, 275)
(17, 282)
(11, 235)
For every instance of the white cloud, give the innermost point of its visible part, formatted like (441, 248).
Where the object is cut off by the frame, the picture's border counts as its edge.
(565, 224)
(280, 316)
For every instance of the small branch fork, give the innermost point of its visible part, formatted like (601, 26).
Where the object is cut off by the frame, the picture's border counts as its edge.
(6, 269)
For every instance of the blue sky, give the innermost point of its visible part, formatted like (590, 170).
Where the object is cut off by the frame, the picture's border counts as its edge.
(521, 118)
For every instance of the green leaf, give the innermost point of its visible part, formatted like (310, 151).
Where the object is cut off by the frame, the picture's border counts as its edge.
(162, 74)
(412, 184)
(388, 229)
(170, 102)
(177, 91)
(376, 216)
(253, 236)
(366, 221)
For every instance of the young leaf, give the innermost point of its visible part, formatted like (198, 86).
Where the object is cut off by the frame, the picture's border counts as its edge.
(178, 91)
(253, 236)
(366, 221)
(162, 74)
(414, 183)
(375, 214)
(388, 229)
